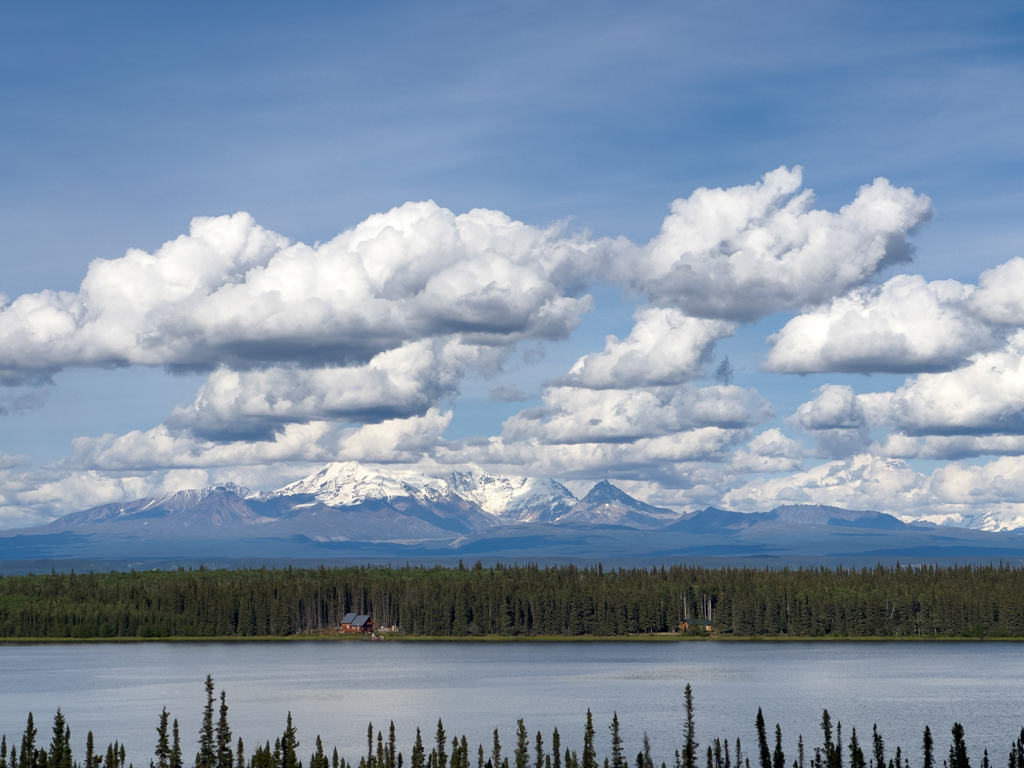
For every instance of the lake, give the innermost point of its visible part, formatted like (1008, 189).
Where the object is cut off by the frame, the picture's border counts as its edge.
(335, 688)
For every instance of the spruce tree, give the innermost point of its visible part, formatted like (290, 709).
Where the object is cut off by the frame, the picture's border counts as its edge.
(207, 756)
(538, 748)
(648, 761)
(225, 756)
(958, 749)
(689, 756)
(522, 751)
(442, 755)
(90, 752)
(176, 759)
(496, 750)
(926, 749)
(28, 745)
(878, 747)
(856, 753)
(417, 751)
(240, 754)
(778, 757)
(618, 754)
(60, 744)
(289, 746)
(556, 749)
(163, 742)
(589, 755)
(762, 741)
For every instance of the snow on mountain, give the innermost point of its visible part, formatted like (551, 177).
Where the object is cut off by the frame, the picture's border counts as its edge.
(502, 499)
(514, 499)
(348, 483)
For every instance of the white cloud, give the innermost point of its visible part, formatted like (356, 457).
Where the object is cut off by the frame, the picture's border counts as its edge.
(1000, 294)
(232, 293)
(984, 397)
(395, 384)
(770, 451)
(749, 251)
(989, 496)
(859, 482)
(571, 415)
(836, 419)
(906, 325)
(665, 347)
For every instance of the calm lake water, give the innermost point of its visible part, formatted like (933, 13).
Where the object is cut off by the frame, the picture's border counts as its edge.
(333, 689)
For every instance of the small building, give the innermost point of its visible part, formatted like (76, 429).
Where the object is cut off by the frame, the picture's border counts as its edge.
(356, 622)
(697, 625)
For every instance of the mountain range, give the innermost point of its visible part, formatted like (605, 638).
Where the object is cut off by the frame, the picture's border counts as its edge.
(349, 510)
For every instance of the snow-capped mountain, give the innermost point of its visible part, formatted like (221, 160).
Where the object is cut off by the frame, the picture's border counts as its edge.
(514, 499)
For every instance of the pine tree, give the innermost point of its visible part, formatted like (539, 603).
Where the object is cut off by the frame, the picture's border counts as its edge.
(225, 756)
(958, 749)
(207, 757)
(522, 751)
(589, 755)
(60, 744)
(496, 751)
(926, 749)
(762, 741)
(417, 751)
(878, 747)
(856, 753)
(28, 744)
(689, 756)
(442, 756)
(176, 759)
(289, 746)
(618, 755)
(163, 744)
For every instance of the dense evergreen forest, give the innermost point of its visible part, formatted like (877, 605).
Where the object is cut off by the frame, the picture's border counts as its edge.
(968, 601)
(217, 749)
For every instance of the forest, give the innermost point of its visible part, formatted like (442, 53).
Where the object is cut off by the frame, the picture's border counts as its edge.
(521, 601)
(217, 748)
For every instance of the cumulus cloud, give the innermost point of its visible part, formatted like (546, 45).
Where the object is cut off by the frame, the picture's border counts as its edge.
(984, 397)
(904, 326)
(232, 293)
(399, 383)
(989, 496)
(749, 251)
(836, 419)
(1000, 294)
(770, 451)
(665, 347)
(571, 415)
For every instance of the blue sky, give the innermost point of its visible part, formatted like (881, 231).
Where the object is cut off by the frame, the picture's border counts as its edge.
(121, 122)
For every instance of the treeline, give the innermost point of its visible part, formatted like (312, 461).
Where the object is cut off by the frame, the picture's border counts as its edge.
(217, 749)
(967, 601)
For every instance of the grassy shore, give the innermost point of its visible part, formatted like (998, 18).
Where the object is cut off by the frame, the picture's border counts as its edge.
(667, 637)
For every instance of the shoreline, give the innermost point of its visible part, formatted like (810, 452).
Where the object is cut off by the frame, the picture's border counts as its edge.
(490, 639)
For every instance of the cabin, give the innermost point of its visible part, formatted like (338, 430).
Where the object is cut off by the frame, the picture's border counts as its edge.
(695, 624)
(356, 622)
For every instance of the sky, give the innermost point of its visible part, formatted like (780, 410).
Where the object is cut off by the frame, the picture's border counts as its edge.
(719, 253)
